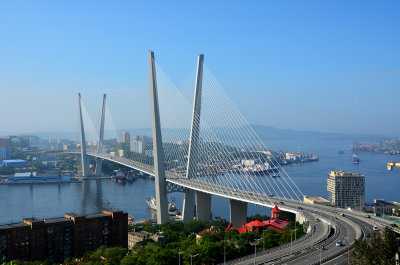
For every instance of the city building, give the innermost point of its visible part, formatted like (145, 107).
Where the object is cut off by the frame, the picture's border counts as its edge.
(120, 153)
(5, 153)
(137, 235)
(316, 200)
(346, 189)
(137, 147)
(59, 238)
(126, 137)
(385, 207)
(275, 223)
(14, 163)
(5, 142)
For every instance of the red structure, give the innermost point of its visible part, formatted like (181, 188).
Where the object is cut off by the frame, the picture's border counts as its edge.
(274, 223)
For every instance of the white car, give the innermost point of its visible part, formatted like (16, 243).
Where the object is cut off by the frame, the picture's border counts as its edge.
(375, 228)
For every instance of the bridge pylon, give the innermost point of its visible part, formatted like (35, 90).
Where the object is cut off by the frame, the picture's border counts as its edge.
(158, 151)
(203, 202)
(99, 161)
(84, 161)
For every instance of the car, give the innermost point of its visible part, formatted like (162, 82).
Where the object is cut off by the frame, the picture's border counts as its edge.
(375, 228)
(341, 214)
(368, 235)
(394, 225)
(317, 220)
(282, 203)
(271, 195)
(368, 216)
(300, 208)
(339, 243)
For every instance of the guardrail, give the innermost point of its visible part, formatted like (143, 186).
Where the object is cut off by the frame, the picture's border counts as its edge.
(277, 248)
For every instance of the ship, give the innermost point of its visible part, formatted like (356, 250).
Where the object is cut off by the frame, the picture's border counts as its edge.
(119, 177)
(356, 160)
(341, 152)
(172, 210)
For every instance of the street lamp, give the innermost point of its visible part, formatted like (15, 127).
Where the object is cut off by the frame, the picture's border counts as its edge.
(320, 253)
(255, 242)
(191, 258)
(291, 240)
(224, 252)
(180, 253)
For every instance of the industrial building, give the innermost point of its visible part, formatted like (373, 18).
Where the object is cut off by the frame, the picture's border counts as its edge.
(59, 238)
(346, 189)
(14, 163)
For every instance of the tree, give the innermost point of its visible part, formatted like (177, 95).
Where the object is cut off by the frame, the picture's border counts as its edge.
(380, 250)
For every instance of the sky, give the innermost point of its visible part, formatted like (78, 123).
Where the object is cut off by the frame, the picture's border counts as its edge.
(328, 66)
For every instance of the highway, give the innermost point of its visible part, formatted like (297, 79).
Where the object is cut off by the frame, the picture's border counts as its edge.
(353, 225)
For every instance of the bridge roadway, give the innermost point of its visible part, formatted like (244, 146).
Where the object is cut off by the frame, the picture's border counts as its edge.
(352, 225)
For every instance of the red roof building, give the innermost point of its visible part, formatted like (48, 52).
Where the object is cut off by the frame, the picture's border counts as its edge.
(256, 226)
(275, 222)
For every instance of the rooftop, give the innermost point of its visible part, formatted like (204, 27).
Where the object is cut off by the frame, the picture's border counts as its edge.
(344, 174)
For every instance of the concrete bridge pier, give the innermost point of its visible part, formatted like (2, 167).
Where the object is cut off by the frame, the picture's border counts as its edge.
(203, 206)
(188, 206)
(238, 211)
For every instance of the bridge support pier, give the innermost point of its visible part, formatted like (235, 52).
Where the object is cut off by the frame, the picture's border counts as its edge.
(84, 161)
(238, 211)
(203, 206)
(188, 206)
(158, 151)
(99, 161)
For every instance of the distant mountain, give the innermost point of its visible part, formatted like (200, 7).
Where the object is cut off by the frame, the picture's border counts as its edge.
(272, 133)
(266, 133)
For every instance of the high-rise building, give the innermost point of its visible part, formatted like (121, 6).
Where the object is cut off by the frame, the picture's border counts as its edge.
(346, 189)
(137, 147)
(126, 137)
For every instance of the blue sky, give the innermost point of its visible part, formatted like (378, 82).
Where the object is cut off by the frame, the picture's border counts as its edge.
(329, 66)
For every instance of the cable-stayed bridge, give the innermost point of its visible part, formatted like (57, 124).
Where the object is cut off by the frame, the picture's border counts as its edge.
(208, 148)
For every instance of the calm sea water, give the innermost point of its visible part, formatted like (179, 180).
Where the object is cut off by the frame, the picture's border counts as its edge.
(53, 200)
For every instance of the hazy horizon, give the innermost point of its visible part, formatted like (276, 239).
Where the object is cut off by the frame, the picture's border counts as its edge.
(330, 67)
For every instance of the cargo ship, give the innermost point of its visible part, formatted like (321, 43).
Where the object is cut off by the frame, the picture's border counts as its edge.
(355, 159)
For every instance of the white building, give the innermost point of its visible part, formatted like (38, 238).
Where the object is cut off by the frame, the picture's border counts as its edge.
(137, 147)
(346, 189)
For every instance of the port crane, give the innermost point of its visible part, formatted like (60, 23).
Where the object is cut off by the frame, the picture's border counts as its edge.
(392, 164)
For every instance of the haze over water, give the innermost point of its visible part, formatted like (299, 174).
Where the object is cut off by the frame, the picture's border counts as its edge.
(53, 200)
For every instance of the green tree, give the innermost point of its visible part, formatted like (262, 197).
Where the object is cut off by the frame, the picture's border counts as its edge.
(380, 250)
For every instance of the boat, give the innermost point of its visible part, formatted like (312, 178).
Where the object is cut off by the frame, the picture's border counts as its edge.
(341, 152)
(356, 160)
(172, 210)
(119, 177)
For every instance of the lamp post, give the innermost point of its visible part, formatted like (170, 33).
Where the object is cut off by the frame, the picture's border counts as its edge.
(263, 240)
(179, 254)
(224, 252)
(320, 254)
(191, 258)
(255, 242)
